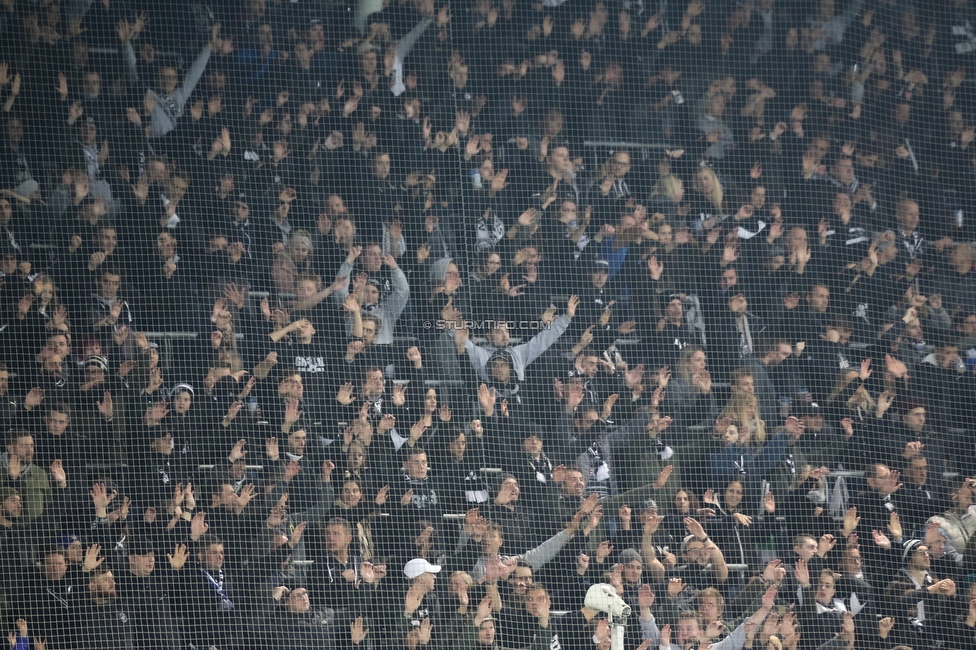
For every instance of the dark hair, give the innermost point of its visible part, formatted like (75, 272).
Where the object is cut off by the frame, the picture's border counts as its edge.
(768, 345)
(960, 318)
(60, 407)
(693, 501)
(538, 586)
(109, 269)
(208, 540)
(16, 434)
(52, 549)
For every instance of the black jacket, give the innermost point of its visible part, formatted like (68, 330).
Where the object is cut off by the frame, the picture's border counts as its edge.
(148, 603)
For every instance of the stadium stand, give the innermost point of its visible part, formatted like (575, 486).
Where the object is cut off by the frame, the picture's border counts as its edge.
(490, 325)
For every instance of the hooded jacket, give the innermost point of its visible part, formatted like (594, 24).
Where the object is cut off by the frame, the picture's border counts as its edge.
(519, 355)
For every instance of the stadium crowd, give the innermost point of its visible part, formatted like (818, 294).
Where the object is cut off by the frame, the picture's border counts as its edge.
(405, 336)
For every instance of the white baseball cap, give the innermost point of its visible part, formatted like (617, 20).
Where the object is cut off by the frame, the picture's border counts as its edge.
(418, 567)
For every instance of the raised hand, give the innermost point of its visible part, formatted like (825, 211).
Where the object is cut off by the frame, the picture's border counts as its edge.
(296, 535)
(826, 544)
(326, 471)
(426, 627)
(57, 473)
(292, 412)
(774, 572)
(714, 629)
(386, 423)
(418, 429)
(851, 520)
(271, 448)
(663, 476)
(122, 512)
(572, 305)
(487, 397)
(292, 470)
(344, 396)
(675, 585)
(880, 539)
(92, 561)
(603, 551)
(802, 573)
(885, 626)
(238, 452)
(177, 559)
(894, 526)
(399, 395)
(100, 497)
(358, 630)
(847, 424)
(198, 525)
(406, 498)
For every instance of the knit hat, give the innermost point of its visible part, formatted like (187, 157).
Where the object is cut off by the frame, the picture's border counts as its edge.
(910, 547)
(687, 540)
(629, 555)
(95, 360)
(502, 477)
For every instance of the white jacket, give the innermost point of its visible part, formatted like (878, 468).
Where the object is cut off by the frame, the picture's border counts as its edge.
(958, 528)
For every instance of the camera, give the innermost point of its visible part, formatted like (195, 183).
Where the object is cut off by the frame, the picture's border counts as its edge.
(603, 598)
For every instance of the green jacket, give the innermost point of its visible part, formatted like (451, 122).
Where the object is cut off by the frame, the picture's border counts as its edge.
(33, 486)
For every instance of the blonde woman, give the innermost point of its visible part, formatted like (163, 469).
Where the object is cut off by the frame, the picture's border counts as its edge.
(743, 408)
(709, 204)
(41, 308)
(690, 395)
(666, 197)
(671, 187)
(708, 191)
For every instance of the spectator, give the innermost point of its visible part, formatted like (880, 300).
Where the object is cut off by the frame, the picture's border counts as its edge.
(799, 250)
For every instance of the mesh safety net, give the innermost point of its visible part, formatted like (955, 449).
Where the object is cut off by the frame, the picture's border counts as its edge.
(532, 325)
